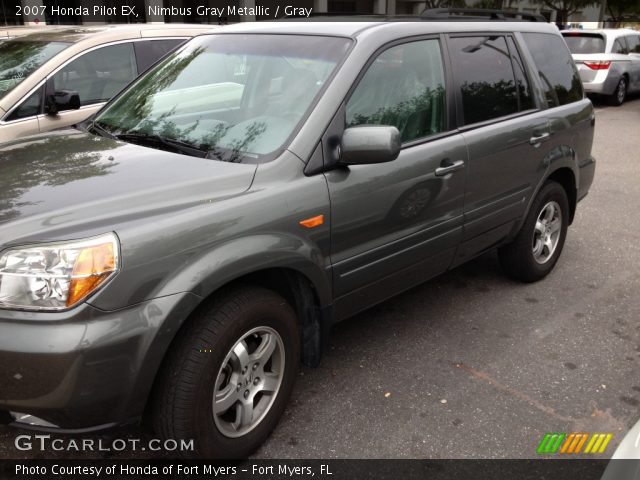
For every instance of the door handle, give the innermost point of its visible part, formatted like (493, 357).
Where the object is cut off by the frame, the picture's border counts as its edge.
(537, 139)
(448, 167)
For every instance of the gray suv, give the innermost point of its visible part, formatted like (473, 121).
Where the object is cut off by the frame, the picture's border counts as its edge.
(180, 255)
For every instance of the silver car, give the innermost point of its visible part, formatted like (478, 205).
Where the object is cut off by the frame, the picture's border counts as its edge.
(608, 61)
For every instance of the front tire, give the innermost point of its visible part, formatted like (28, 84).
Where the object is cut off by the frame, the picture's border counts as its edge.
(229, 374)
(536, 249)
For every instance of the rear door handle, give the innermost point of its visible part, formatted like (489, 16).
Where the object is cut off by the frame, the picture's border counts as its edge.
(537, 139)
(448, 167)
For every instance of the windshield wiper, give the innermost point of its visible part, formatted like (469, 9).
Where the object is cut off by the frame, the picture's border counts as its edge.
(100, 130)
(149, 139)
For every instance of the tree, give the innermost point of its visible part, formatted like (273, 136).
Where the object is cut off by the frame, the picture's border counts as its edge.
(444, 4)
(619, 9)
(565, 8)
(493, 4)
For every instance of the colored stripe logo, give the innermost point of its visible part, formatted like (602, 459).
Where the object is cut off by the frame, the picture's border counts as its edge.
(573, 443)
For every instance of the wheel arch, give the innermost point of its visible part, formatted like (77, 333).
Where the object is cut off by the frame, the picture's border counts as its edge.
(305, 293)
(566, 177)
(562, 167)
(288, 265)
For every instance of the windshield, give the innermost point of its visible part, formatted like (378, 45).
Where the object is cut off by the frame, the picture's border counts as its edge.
(228, 97)
(584, 43)
(20, 58)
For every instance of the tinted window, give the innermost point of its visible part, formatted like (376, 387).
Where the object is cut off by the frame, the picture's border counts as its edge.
(98, 75)
(524, 89)
(29, 108)
(403, 87)
(558, 74)
(150, 51)
(633, 41)
(485, 77)
(580, 43)
(619, 46)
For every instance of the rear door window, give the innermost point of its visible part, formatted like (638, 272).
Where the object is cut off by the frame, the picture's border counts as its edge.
(485, 77)
(525, 95)
(584, 43)
(558, 74)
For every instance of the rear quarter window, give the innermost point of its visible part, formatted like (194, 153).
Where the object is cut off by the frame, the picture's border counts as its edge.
(558, 74)
(619, 46)
(633, 41)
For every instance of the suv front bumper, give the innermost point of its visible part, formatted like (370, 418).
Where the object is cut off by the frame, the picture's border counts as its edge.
(85, 369)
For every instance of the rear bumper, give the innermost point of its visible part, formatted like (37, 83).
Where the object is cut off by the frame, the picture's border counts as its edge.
(604, 82)
(85, 369)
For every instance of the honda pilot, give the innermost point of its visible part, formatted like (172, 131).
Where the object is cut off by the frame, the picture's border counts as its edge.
(181, 254)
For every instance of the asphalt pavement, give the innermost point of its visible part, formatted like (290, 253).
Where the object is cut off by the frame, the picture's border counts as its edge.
(474, 365)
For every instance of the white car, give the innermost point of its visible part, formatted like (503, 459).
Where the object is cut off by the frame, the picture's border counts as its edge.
(608, 61)
(625, 462)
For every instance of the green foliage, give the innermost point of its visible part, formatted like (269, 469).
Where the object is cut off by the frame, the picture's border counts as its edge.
(445, 3)
(566, 8)
(618, 10)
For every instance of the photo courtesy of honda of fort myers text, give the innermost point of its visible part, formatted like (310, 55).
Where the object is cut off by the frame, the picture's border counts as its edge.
(332, 239)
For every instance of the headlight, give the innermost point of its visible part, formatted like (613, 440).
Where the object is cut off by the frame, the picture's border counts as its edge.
(56, 276)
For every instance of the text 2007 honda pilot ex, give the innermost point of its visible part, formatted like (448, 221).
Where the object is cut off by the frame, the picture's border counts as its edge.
(180, 257)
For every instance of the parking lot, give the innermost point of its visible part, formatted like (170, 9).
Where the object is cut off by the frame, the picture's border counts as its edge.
(473, 365)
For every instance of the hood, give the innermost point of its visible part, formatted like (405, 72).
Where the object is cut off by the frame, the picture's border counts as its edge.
(59, 185)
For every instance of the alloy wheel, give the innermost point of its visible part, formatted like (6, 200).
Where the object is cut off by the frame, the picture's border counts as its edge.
(547, 231)
(248, 382)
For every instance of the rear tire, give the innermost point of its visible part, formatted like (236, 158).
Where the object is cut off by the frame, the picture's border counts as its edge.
(536, 249)
(229, 374)
(620, 94)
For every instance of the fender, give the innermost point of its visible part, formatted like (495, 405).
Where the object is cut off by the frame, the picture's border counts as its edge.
(239, 257)
(561, 156)
(213, 270)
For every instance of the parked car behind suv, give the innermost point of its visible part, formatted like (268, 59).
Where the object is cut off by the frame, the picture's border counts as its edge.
(20, 30)
(61, 75)
(181, 256)
(608, 61)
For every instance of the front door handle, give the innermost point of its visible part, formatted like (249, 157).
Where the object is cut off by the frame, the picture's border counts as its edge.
(538, 139)
(447, 167)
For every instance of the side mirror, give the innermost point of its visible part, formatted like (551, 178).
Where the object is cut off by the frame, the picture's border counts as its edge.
(369, 144)
(62, 100)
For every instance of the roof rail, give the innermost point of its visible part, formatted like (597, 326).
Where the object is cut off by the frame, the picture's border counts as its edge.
(480, 15)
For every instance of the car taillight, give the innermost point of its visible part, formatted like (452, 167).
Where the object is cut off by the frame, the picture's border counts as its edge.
(598, 64)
